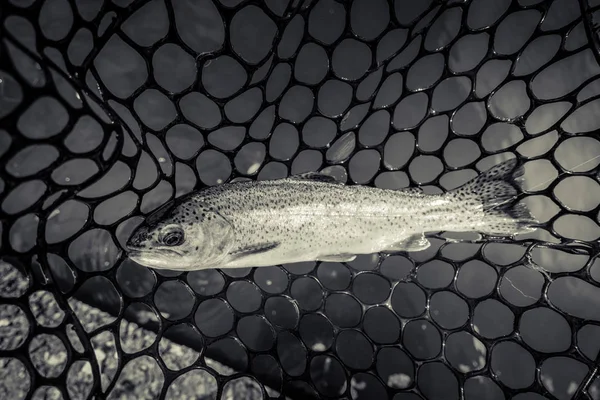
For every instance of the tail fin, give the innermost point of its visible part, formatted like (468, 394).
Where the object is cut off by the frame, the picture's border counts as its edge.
(493, 192)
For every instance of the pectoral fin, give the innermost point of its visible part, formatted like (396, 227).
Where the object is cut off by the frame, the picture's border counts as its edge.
(412, 243)
(254, 249)
(338, 258)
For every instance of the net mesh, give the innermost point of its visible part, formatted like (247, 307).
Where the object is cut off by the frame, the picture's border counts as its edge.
(110, 108)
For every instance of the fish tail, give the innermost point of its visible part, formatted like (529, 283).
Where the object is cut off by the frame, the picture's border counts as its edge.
(493, 194)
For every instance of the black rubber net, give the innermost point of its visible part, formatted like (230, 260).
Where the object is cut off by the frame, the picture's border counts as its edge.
(109, 108)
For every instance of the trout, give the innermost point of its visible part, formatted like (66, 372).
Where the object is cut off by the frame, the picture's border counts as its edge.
(313, 217)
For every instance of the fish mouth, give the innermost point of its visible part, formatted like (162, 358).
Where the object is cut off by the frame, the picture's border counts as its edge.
(156, 259)
(138, 252)
(143, 258)
(133, 252)
(137, 255)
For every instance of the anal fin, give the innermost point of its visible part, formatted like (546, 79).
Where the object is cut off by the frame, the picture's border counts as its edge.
(337, 258)
(416, 242)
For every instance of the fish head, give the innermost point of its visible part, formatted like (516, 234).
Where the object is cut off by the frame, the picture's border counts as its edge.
(188, 235)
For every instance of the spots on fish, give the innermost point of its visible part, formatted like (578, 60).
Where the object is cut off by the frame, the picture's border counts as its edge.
(261, 211)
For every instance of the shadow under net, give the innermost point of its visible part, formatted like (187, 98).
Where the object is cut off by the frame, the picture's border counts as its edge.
(109, 109)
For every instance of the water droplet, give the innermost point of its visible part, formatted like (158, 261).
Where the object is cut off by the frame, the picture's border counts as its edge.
(399, 381)
(345, 118)
(319, 347)
(54, 213)
(253, 168)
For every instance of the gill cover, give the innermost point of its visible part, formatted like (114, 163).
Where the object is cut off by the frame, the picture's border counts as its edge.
(219, 233)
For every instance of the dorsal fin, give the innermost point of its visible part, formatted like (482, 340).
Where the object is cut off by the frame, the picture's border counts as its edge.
(315, 176)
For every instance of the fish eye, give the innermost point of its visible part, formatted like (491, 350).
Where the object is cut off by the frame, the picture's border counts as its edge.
(174, 237)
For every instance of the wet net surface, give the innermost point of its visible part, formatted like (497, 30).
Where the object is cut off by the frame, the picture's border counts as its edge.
(109, 109)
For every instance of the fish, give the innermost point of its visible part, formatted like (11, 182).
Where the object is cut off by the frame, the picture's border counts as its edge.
(314, 217)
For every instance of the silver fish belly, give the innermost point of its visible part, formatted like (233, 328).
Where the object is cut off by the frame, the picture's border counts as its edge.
(311, 217)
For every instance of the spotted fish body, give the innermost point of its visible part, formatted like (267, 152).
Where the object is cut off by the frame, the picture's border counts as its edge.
(312, 217)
